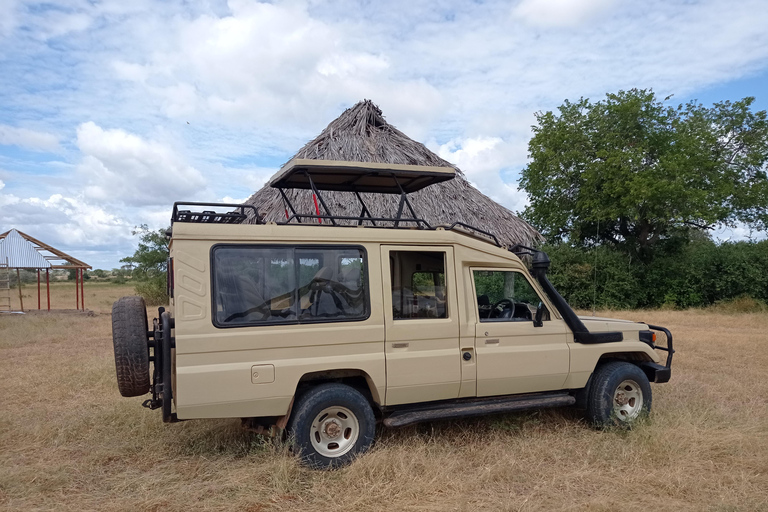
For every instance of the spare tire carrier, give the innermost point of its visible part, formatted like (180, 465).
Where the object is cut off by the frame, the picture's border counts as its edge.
(162, 343)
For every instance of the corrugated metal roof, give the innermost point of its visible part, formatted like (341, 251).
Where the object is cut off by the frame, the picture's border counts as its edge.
(21, 253)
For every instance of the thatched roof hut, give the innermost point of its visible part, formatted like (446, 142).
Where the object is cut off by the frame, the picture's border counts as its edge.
(361, 134)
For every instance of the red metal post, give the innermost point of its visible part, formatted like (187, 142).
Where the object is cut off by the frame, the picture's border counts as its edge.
(48, 289)
(82, 288)
(38, 288)
(317, 209)
(18, 280)
(77, 288)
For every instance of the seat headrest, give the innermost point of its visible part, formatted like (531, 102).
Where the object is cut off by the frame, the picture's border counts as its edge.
(324, 274)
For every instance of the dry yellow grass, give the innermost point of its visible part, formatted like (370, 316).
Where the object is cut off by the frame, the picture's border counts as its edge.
(68, 441)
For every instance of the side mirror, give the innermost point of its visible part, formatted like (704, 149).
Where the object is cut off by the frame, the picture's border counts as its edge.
(539, 314)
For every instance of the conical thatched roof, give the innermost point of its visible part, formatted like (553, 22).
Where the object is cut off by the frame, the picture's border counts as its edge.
(361, 134)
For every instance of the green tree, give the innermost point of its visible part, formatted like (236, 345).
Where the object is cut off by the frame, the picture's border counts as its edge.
(150, 265)
(631, 172)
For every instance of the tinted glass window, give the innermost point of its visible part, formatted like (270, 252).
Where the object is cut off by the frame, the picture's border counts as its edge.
(505, 296)
(418, 284)
(266, 285)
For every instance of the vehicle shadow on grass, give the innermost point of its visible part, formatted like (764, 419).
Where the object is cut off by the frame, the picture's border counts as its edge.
(492, 424)
(228, 438)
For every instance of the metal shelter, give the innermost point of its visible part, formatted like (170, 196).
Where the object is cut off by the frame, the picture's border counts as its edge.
(20, 251)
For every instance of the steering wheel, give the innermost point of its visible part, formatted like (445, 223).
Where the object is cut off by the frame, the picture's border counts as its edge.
(501, 306)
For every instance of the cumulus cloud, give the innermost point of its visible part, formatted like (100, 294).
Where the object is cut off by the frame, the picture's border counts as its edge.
(204, 100)
(28, 139)
(122, 167)
(482, 159)
(270, 63)
(69, 224)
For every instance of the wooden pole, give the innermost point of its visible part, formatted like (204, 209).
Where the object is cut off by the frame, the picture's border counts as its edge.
(21, 299)
(48, 289)
(82, 288)
(38, 288)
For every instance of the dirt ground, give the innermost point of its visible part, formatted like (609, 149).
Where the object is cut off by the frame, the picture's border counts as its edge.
(68, 441)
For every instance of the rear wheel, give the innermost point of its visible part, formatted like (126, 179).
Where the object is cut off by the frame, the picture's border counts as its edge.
(619, 395)
(330, 425)
(131, 344)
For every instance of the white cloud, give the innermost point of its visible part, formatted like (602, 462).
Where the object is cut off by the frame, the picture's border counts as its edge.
(121, 167)
(269, 63)
(228, 199)
(67, 223)
(255, 80)
(481, 159)
(560, 13)
(7, 16)
(28, 139)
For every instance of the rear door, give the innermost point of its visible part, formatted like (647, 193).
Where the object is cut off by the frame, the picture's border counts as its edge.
(421, 323)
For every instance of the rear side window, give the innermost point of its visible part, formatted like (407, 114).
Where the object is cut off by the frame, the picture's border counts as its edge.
(260, 285)
(418, 284)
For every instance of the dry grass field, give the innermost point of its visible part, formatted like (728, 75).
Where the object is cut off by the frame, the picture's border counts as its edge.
(68, 441)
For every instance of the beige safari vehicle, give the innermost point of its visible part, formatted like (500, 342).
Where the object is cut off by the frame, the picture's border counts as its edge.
(326, 326)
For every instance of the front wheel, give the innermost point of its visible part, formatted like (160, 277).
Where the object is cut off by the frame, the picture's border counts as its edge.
(620, 393)
(330, 425)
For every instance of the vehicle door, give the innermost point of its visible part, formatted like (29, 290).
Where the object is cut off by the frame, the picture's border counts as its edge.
(513, 355)
(421, 324)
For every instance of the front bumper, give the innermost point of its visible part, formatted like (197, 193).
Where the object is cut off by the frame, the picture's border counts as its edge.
(654, 371)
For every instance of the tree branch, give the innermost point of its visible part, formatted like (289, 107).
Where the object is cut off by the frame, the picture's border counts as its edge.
(700, 226)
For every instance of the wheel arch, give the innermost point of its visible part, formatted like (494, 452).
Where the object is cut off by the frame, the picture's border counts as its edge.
(634, 357)
(353, 377)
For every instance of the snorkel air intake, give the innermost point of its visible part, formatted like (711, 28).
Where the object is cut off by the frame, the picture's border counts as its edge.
(539, 268)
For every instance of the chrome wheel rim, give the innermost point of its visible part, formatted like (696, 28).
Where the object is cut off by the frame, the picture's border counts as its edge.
(627, 401)
(334, 431)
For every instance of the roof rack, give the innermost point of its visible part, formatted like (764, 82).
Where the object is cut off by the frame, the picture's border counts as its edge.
(354, 177)
(212, 216)
(237, 217)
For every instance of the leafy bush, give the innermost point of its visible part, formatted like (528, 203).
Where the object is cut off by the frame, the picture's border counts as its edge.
(700, 273)
(153, 290)
(149, 264)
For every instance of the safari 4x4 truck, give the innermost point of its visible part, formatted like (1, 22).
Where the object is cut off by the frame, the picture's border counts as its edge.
(325, 326)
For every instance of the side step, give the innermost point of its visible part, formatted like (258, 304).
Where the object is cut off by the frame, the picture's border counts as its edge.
(478, 407)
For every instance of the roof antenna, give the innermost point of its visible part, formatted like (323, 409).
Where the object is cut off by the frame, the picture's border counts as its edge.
(594, 284)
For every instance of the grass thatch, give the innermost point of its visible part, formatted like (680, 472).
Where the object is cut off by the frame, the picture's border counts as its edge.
(361, 134)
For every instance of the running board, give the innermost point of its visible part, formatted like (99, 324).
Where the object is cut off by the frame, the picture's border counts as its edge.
(476, 408)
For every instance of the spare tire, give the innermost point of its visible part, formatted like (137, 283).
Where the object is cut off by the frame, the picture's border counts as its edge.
(131, 341)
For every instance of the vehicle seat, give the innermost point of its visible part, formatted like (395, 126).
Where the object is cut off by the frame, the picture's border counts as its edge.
(483, 306)
(325, 301)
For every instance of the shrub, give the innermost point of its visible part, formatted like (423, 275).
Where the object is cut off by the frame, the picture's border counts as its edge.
(697, 274)
(153, 290)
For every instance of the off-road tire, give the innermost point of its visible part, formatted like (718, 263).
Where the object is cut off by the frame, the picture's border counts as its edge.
(129, 337)
(603, 407)
(306, 417)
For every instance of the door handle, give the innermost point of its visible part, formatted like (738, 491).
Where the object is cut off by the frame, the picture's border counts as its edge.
(492, 342)
(400, 345)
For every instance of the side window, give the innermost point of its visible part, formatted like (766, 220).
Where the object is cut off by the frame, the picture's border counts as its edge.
(266, 285)
(505, 296)
(418, 284)
(253, 285)
(331, 284)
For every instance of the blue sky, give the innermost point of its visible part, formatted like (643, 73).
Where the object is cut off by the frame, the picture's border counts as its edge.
(112, 110)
